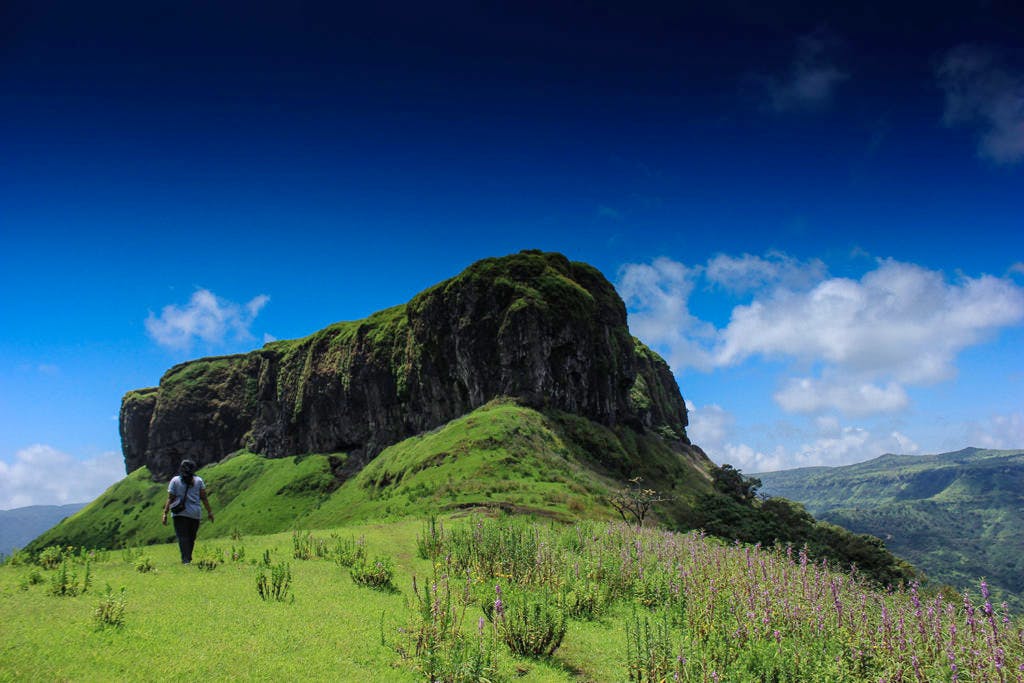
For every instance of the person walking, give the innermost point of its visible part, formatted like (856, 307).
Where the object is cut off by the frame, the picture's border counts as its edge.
(184, 494)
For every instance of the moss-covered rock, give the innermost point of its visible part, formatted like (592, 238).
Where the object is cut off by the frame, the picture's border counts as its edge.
(535, 326)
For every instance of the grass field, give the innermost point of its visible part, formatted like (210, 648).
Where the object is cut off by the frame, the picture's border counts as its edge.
(609, 602)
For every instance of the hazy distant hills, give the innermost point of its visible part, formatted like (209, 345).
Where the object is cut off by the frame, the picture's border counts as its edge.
(21, 525)
(957, 516)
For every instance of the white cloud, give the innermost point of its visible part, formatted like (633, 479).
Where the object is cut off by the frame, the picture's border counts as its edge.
(812, 77)
(205, 317)
(980, 92)
(658, 296)
(42, 475)
(748, 273)
(899, 321)
(867, 339)
(811, 395)
(823, 442)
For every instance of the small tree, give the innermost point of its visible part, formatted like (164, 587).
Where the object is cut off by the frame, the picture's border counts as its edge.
(634, 501)
(731, 482)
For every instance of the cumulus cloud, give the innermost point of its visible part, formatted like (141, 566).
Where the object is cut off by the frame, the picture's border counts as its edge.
(898, 320)
(898, 325)
(824, 442)
(810, 395)
(748, 273)
(811, 79)
(657, 295)
(980, 92)
(205, 317)
(43, 475)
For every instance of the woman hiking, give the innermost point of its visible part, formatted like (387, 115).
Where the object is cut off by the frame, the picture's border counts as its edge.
(184, 493)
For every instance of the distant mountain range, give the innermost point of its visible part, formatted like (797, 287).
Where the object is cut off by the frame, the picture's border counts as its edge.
(21, 525)
(957, 516)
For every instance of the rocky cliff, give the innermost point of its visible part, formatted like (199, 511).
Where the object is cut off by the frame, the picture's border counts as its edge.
(535, 326)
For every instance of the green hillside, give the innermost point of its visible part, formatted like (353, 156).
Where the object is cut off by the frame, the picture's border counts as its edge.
(483, 597)
(502, 455)
(957, 516)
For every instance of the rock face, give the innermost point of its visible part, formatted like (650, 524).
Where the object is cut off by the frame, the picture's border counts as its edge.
(534, 326)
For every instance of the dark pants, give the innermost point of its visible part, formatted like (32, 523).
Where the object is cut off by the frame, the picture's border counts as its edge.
(185, 529)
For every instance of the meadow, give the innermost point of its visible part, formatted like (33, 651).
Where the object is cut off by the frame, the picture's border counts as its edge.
(485, 598)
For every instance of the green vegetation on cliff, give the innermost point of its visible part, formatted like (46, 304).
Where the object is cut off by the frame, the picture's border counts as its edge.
(503, 455)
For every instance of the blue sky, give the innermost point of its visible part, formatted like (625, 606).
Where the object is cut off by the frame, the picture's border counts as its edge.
(814, 214)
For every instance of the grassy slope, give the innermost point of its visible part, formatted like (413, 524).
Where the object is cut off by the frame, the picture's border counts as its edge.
(335, 630)
(501, 455)
(957, 516)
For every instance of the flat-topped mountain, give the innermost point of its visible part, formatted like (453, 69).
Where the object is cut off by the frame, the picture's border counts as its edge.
(513, 386)
(546, 331)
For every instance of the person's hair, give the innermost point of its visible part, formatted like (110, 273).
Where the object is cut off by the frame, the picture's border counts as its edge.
(187, 469)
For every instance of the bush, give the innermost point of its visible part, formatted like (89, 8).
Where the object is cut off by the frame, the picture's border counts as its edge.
(278, 586)
(33, 578)
(65, 583)
(650, 652)
(441, 648)
(144, 565)
(50, 557)
(208, 560)
(531, 624)
(376, 574)
(349, 551)
(305, 546)
(109, 610)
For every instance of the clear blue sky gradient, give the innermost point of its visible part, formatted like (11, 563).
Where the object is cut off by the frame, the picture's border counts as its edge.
(341, 160)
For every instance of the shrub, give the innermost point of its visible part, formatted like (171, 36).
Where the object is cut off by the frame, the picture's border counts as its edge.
(430, 542)
(349, 551)
(131, 555)
(650, 653)
(584, 600)
(50, 557)
(302, 545)
(17, 558)
(144, 565)
(376, 574)
(278, 586)
(33, 578)
(65, 581)
(208, 560)
(305, 546)
(532, 624)
(442, 650)
(109, 610)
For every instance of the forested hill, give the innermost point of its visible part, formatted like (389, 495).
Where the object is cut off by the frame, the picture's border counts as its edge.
(957, 516)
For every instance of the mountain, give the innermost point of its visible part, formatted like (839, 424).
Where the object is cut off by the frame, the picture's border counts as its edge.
(514, 386)
(20, 525)
(502, 456)
(957, 516)
(534, 326)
